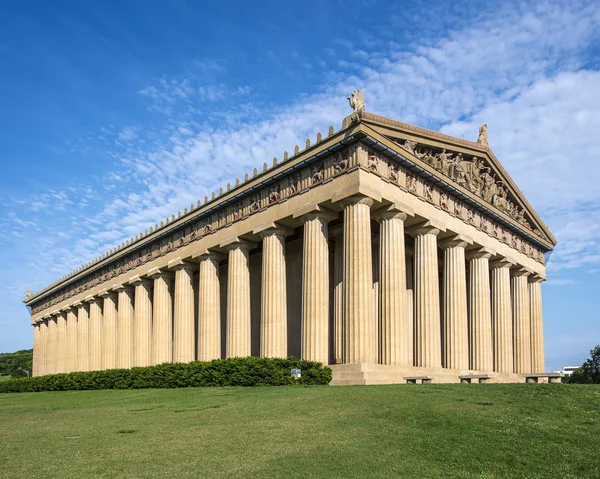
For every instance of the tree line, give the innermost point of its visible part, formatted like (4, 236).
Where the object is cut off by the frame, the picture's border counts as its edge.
(17, 364)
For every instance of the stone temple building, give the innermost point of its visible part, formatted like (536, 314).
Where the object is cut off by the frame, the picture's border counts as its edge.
(389, 252)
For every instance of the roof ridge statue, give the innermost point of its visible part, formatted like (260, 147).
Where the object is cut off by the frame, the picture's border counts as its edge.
(357, 101)
(483, 137)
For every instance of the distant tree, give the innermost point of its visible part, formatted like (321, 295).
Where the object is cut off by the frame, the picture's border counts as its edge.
(16, 364)
(589, 372)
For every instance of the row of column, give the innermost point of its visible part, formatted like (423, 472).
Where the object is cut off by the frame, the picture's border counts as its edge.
(485, 325)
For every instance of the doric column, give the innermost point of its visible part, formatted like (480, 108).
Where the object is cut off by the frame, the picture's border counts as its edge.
(361, 326)
(142, 322)
(51, 354)
(238, 341)
(71, 350)
(162, 316)
(537, 329)
(315, 287)
(95, 333)
(521, 321)
(410, 301)
(480, 312)
(184, 338)
(209, 307)
(427, 334)
(124, 326)
(394, 324)
(36, 350)
(273, 310)
(61, 342)
(338, 292)
(455, 330)
(83, 320)
(109, 329)
(502, 323)
(43, 356)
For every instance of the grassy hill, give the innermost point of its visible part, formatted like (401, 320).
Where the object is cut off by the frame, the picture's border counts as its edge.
(419, 431)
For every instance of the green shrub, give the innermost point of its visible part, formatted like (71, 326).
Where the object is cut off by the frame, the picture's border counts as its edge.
(249, 372)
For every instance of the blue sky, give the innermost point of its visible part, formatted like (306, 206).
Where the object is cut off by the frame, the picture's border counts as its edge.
(115, 115)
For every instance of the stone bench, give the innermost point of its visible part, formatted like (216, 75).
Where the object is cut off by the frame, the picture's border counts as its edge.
(553, 378)
(417, 379)
(475, 378)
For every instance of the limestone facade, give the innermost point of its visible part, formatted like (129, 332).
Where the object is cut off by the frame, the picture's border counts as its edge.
(384, 250)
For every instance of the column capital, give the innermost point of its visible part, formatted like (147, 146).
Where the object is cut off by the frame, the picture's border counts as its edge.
(275, 230)
(156, 272)
(501, 263)
(121, 287)
(78, 304)
(67, 308)
(395, 210)
(91, 298)
(455, 241)
(425, 228)
(139, 281)
(519, 270)
(315, 210)
(357, 200)
(207, 254)
(105, 293)
(536, 278)
(238, 243)
(480, 252)
(177, 264)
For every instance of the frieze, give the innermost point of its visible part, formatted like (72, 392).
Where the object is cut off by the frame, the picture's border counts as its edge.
(428, 192)
(276, 192)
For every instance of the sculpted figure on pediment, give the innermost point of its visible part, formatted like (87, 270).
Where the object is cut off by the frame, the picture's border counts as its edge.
(431, 159)
(410, 146)
(444, 162)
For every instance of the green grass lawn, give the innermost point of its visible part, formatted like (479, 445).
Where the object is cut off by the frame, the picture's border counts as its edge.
(365, 431)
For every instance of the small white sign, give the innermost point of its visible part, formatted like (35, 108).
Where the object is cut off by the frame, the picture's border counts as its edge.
(296, 373)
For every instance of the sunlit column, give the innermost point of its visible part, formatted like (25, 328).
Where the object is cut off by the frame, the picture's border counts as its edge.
(273, 317)
(162, 316)
(142, 322)
(238, 341)
(124, 326)
(71, 350)
(359, 313)
(184, 339)
(480, 311)
(209, 307)
(82, 337)
(338, 292)
(537, 328)
(502, 320)
(95, 333)
(427, 333)
(521, 321)
(109, 330)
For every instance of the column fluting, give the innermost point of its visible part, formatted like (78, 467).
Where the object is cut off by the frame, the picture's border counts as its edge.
(109, 330)
(36, 350)
(142, 323)
(502, 321)
(480, 312)
(537, 328)
(359, 312)
(338, 292)
(43, 359)
(273, 314)
(124, 326)
(95, 334)
(184, 338)
(521, 322)
(71, 350)
(162, 316)
(315, 287)
(52, 345)
(393, 312)
(238, 340)
(455, 329)
(209, 307)
(427, 334)
(83, 320)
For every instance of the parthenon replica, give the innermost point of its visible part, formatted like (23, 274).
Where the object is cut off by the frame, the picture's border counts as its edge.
(389, 252)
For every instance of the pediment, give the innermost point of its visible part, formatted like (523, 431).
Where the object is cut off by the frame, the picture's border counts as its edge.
(469, 167)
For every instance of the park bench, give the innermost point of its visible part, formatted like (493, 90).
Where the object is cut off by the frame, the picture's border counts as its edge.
(475, 378)
(417, 379)
(554, 378)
